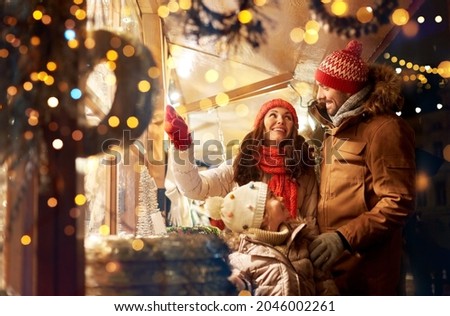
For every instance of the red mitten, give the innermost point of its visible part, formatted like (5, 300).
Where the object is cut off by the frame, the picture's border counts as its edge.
(177, 129)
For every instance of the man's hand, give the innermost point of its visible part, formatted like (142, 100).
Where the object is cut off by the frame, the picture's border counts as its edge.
(325, 250)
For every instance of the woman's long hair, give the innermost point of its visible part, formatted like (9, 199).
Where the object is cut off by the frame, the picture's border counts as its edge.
(246, 164)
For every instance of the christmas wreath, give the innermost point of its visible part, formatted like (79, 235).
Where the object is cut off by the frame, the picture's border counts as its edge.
(349, 26)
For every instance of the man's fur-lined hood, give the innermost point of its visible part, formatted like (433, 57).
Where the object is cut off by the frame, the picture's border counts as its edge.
(386, 95)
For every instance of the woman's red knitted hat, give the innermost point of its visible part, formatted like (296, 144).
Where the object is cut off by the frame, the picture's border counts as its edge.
(266, 107)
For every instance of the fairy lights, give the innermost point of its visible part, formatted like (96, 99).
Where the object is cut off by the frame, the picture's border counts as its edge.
(348, 26)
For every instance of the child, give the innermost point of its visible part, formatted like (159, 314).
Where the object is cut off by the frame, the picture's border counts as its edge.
(270, 251)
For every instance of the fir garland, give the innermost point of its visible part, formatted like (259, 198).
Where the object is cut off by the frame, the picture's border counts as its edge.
(349, 26)
(225, 28)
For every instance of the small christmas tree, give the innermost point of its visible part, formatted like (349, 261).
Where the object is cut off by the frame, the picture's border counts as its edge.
(150, 221)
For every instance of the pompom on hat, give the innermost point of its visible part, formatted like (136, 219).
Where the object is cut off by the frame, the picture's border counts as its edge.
(267, 106)
(344, 70)
(240, 209)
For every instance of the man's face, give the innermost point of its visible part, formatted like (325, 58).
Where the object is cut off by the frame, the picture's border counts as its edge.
(332, 98)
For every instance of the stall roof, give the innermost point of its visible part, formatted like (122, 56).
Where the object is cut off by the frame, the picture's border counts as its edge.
(279, 67)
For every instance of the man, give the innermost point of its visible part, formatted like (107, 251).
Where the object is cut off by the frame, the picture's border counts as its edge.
(367, 174)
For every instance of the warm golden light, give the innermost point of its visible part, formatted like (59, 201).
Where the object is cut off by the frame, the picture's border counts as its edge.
(222, 99)
(80, 199)
(144, 86)
(163, 11)
(446, 153)
(128, 50)
(4, 53)
(364, 14)
(245, 16)
(37, 15)
(49, 80)
(312, 25)
(173, 6)
(132, 122)
(444, 69)
(205, 104)
(400, 17)
(185, 4)
(46, 19)
(410, 29)
(296, 35)
(80, 14)
(33, 120)
(12, 91)
(137, 245)
(211, 75)
(311, 37)
(422, 181)
(27, 86)
(51, 66)
(339, 7)
(73, 43)
(113, 121)
(28, 135)
(89, 43)
(112, 55)
(35, 41)
(104, 230)
(25, 240)
(52, 202)
(112, 267)
(154, 72)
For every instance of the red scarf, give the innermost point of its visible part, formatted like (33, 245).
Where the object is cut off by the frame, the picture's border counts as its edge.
(272, 163)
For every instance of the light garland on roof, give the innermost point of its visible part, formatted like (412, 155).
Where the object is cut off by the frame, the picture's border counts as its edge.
(419, 70)
(350, 26)
(228, 29)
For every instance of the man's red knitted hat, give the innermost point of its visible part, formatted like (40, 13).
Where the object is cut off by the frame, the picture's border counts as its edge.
(266, 107)
(344, 70)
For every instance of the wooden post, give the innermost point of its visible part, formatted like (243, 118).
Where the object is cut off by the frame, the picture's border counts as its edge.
(111, 194)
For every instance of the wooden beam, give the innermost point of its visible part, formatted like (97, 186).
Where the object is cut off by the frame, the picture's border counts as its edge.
(148, 6)
(254, 89)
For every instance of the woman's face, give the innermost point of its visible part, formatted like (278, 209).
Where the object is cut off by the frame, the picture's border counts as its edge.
(332, 98)
(276, 212)
(278, 124)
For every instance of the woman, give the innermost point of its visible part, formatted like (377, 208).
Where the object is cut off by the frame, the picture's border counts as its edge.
(272, 152)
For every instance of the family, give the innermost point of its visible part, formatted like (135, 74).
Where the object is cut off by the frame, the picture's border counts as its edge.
(299, 230)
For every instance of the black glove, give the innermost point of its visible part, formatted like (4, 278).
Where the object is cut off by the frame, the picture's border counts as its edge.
(325, 250)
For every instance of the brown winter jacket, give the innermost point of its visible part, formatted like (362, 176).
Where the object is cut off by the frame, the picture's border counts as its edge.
(367, 188)
(284, 269)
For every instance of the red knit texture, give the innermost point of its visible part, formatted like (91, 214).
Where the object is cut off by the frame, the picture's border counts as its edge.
(281, 185)
(344, 70)
(266, 107)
